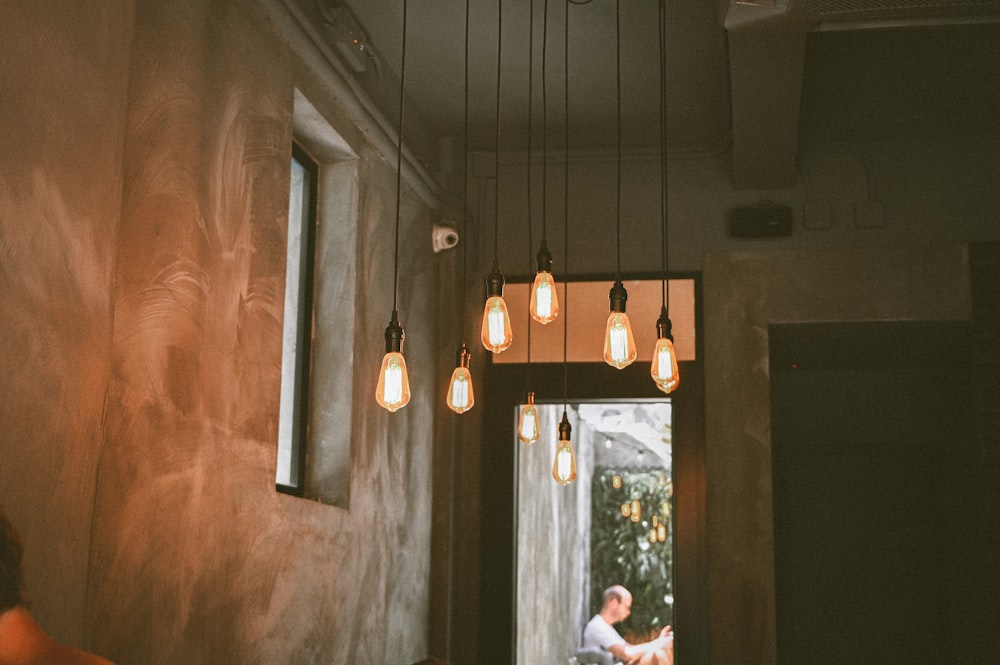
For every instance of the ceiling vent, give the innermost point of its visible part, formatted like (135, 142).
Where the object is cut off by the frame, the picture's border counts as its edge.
(804, 15)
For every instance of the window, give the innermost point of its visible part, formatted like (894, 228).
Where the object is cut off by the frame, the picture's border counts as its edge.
(297, 336)
(317, 366)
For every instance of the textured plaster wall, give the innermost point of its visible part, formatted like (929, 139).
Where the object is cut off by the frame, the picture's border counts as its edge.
(743, 293)
(63, 80)
(143, 196)
(944, 190)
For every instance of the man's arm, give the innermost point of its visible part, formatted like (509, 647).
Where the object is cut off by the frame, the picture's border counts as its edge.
(630, 653)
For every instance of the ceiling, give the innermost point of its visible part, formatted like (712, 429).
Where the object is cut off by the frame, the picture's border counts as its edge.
(756, 78)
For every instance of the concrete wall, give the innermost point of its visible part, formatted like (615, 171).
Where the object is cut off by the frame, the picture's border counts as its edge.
(143, 197)
(888, 193)
(63, 84)
(743, 293)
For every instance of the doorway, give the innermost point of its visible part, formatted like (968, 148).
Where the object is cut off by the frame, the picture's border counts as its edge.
(877, 494)
(588, 383)
(612, 525)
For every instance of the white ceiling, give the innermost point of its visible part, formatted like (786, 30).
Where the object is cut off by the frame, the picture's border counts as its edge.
(757, 77)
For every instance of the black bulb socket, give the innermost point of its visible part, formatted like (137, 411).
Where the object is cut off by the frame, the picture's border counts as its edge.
(544, 258)
(394, 335)
(618, 296)
(664, 329)
(494, 282)
(462, 356)
(565, 430)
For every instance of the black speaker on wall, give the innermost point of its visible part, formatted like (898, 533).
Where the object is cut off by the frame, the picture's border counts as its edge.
(764, 220)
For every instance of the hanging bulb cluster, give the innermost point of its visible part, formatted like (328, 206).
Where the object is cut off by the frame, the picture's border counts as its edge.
(619, 351)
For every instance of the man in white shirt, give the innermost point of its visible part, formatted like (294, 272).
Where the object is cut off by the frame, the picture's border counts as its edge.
(600, 633)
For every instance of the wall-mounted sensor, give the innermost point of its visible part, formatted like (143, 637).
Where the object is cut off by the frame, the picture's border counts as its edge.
(443, 237)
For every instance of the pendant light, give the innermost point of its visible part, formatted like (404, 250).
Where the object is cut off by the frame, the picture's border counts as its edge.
(564, 467)
(544, 305)
(664, 366)
(619, 343)
(527, 421)
(393, 390)
(496, 335)
(564, 464)
(461, 396)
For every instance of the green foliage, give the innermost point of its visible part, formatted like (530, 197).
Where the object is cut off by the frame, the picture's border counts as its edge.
(621, 551)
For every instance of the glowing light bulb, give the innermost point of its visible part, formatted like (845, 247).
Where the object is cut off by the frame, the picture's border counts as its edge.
(527, 423)
(497, 334)
(544, 305)
(460, 393)
(393, 390)
(664, 367)
(619, 344)
(564, 466)
(661, 533)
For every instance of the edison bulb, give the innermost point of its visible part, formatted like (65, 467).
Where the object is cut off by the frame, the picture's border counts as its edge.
(460, 394)
(564, 465)
(393, 391)
(664, 366)
(497, 334)
(544, 302)
(527, 423)
(619, 343)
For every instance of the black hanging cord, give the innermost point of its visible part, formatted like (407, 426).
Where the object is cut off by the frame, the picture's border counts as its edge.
(531, 90)
(566, 119)
(618, 195)
(663, 147)
(465, 177)
(399, 163)
(545, 125)
(496, 152)
(566, 209)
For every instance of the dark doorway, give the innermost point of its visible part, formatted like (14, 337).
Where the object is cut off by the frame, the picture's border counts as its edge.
(878, 505)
